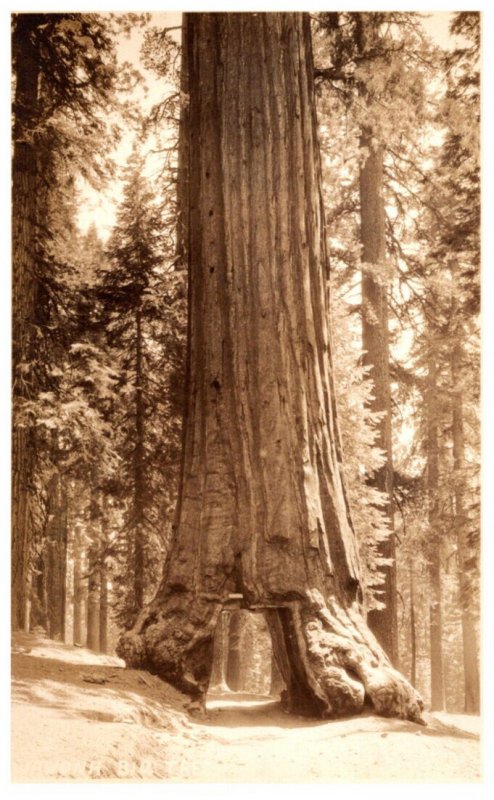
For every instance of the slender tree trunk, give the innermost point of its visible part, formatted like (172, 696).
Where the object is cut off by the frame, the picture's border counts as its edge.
(94, 565)
(375, 344)
(56, 556)
(220, 655)
(93, 608)
(438, 698)
(469, 633)
(262, 507)
(383, 622)
(103, 601)
(139, 555)
(39, 599)
(103, 612)
(413, 632)
(24, 290)
(79, 585)
(234, 664)
(181, 254)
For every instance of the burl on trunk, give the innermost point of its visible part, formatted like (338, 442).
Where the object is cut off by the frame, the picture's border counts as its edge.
(262, 507)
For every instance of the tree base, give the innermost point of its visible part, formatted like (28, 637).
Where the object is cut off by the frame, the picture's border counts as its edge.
(331, 663)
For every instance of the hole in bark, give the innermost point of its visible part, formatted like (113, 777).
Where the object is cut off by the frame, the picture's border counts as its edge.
(244, 672)
(215, 384)
(211, 269)
(211, 212)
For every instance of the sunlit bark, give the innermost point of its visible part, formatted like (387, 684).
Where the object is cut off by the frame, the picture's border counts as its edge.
(262, 508)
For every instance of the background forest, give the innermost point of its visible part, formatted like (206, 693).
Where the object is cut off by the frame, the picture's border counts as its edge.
(100, 323)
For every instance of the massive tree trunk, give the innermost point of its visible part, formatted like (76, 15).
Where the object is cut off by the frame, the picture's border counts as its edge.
(262, 508)
(433, 551)
(24, 290)
(468, 622)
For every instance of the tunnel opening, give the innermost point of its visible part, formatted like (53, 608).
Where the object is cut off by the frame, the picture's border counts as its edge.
(244, 665)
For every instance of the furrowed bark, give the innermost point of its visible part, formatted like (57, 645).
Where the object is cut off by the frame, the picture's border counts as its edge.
(262, 508)
(276, 684)
(24, 289)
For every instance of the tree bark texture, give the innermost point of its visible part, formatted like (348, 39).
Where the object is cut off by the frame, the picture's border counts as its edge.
(56, 556)
(383, 622)
(375, 340)
(276, 683)
(79, 585)
(93, 608)
(103, 612)
(262, 509)
(24, 290)
(438, 697)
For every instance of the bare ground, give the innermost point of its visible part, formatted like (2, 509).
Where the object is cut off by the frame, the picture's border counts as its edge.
(77, 716)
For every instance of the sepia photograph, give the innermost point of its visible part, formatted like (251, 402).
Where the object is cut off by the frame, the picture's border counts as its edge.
(245, 374)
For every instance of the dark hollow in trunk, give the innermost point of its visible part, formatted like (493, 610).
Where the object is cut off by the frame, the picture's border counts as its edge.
(262, 508)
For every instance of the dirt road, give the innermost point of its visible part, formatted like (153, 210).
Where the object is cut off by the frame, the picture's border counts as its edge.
(81, 717)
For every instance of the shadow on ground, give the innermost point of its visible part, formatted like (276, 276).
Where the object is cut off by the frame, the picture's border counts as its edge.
(244, 710)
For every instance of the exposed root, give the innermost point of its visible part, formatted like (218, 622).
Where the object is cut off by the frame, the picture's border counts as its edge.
(174, 642)
(331, 663)
(348, 666)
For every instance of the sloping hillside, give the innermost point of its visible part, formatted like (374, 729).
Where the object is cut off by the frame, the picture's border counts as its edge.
(77, 716)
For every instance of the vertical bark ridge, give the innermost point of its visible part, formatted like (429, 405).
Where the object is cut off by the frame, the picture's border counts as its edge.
(263, 508)
(24, 291)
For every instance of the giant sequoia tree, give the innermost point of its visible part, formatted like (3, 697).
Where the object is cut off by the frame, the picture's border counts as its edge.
(262, 508)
